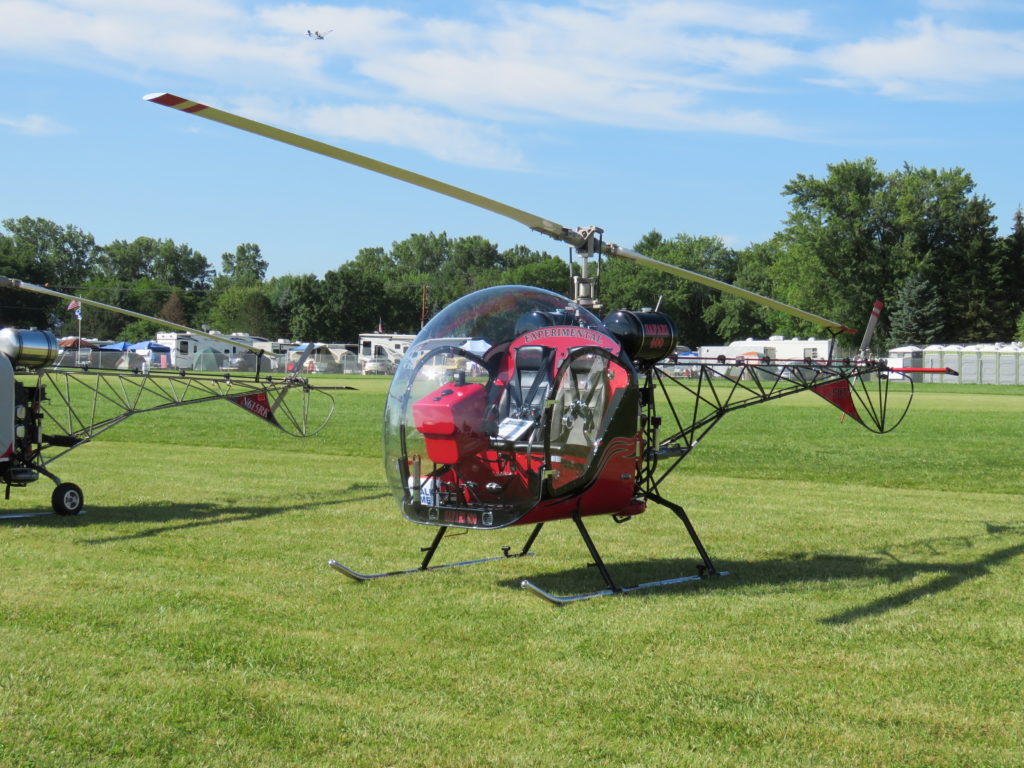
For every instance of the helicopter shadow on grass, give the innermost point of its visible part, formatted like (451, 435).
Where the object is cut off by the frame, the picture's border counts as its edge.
(802, 567)
(169, 517)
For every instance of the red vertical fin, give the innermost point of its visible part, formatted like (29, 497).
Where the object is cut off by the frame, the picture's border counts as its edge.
(256, 403)
(838, 393)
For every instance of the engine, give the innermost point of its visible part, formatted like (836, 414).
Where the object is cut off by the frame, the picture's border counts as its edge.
(28, 349)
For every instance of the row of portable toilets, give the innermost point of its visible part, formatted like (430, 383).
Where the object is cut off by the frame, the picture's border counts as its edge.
(976, 363)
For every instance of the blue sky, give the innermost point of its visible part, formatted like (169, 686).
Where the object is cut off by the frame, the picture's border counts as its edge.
(676, 116)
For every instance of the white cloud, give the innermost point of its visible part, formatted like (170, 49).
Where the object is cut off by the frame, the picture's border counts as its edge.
(445, 138)
(972, 5)
(214, 40)
(647, 64)
(735, 17)
(637, 64)
(651, 35)
(34, 125)
(932, 60)
(660, 64)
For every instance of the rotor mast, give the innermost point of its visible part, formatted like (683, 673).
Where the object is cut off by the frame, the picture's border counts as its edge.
(585, 285)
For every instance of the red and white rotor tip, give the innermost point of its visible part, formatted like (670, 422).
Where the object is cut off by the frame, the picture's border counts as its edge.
(869, 331)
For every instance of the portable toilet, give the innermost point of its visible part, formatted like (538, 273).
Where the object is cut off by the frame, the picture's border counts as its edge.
(1006, 364)
(952, 357)
(908, 356)
(970, 364)
(1010, 364)
(934, 357)
(988, 364)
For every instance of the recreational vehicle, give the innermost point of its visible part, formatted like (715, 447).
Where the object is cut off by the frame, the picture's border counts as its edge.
(381, 352)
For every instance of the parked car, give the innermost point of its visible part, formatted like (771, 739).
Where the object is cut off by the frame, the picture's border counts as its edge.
(379, 367)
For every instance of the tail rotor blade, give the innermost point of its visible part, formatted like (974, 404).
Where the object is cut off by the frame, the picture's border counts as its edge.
(869, 332)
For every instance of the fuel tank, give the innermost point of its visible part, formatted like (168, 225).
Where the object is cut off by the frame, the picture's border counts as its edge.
(646, 337)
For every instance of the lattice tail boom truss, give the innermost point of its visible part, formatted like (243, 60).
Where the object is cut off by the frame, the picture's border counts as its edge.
(75, 406)
(706, 391)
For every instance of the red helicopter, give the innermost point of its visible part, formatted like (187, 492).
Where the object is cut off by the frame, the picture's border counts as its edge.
(516, 406)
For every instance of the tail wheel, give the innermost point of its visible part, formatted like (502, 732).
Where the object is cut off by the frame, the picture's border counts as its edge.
(67, 499)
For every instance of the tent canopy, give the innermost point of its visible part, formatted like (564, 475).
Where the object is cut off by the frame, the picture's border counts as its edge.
(142, 346)
(73, 342)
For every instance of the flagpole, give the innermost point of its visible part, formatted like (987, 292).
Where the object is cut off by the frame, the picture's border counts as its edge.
(76, 306)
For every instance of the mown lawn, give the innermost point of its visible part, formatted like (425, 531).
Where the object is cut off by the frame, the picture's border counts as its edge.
(872, 615)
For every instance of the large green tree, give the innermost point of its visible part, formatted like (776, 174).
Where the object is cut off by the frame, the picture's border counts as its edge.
(64, 254)
(142, 275)
(733, 317)
(859, 234)
(17, 308)
(245, 309)
(400, 288)
(1012, 259)
(165, 261)
(917, 318)
(298, 302)
(245, 267)
(40, 251)
(237, 301)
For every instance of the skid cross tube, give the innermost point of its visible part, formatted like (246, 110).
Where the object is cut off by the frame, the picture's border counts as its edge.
(430, 550)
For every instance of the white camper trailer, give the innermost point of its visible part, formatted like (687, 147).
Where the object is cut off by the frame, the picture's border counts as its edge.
(773, 348)
(201, 353)
(381, 352)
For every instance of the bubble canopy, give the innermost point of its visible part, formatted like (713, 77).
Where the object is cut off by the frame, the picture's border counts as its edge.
(460, 344)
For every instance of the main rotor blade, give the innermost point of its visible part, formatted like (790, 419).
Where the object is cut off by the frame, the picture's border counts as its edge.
(534, 222)
(8, 282)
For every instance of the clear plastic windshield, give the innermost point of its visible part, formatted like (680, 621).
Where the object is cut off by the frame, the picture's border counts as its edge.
(453, 456)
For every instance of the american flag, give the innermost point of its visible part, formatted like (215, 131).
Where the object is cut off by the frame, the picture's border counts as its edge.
(73, 305)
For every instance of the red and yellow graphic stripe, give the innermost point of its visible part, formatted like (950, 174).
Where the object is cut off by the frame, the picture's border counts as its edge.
(170, 100)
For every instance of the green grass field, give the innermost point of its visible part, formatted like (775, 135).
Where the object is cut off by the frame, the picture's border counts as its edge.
(873, 613)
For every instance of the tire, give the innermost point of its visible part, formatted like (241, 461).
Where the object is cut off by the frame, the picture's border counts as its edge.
(67, 499)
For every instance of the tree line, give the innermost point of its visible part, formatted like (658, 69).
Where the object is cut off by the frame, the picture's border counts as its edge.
(921, 240)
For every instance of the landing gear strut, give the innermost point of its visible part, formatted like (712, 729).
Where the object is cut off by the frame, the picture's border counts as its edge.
(704, 570)
(426, 566)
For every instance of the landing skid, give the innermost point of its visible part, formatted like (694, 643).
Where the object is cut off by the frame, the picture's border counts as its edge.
(426, 566)
(21, 515)
(565, 599)
(705, 570)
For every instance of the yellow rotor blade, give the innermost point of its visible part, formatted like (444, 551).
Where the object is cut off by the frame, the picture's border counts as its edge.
(534, 222)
